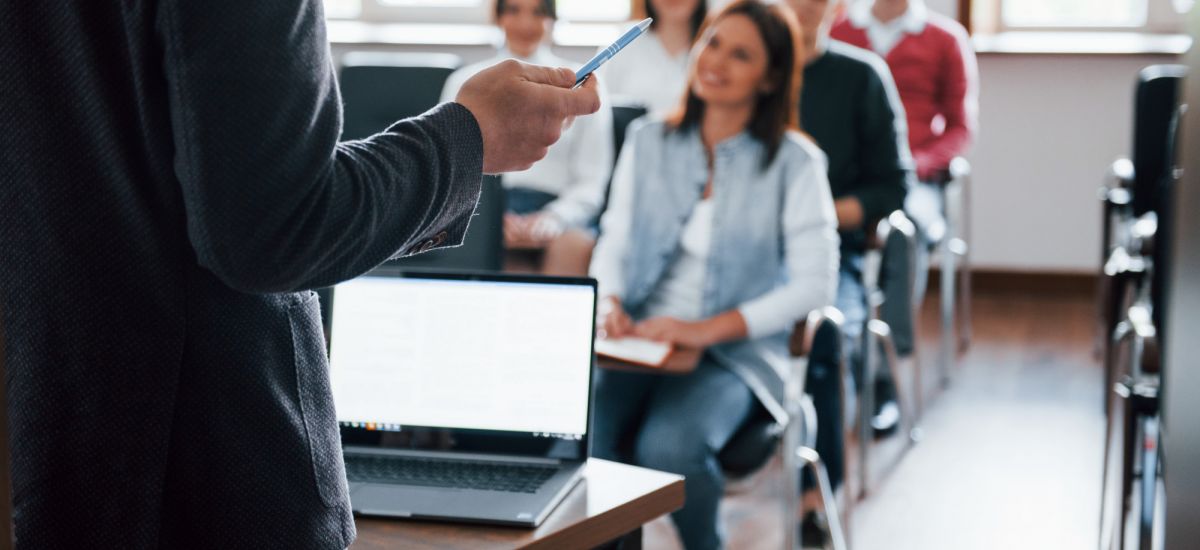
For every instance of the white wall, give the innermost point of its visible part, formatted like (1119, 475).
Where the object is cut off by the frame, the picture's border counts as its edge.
(1050, 126)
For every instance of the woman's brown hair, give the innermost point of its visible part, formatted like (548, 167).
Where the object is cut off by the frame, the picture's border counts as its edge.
(776, 111)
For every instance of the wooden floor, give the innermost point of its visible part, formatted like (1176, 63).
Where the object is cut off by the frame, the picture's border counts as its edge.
(1011, 451)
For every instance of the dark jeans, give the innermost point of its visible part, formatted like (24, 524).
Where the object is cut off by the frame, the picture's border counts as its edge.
(676, 424)
(526, 201)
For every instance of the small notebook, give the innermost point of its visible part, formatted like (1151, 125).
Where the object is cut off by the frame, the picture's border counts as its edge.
(634, 350)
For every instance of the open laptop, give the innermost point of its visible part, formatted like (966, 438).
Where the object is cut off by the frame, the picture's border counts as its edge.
(462, 397)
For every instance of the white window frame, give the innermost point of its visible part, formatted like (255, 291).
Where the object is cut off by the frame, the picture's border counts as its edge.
(1161, 18)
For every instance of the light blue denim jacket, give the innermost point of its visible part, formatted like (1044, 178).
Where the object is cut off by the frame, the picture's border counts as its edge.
(774, 248)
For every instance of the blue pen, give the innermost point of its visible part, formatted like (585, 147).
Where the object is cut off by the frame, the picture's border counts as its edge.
(595, 63)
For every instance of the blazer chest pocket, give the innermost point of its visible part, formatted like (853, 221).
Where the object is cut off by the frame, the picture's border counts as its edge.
(316, 401)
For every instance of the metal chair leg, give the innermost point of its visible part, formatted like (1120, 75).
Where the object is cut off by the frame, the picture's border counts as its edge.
(946, 303)
(961, 248)
(1110, 524)
(866, 401)
(883, 333)
(811, 460)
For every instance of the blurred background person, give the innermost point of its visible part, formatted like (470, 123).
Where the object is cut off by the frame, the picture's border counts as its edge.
(698, 250)
(558, 199)
(652, 71)
(933, 63)
(850, 107)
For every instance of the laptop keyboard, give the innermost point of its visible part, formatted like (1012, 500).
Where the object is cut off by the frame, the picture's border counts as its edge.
(426, 472)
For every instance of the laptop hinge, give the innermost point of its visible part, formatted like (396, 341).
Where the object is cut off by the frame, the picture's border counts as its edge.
(376, 451)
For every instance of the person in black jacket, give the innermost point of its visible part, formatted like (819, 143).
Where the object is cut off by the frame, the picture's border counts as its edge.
(171, 187)
(850, 107)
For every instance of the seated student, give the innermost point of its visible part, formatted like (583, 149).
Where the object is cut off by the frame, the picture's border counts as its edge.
(652, 71)
(850, 108)
(560, 195)
(720, 235)
(934, 65)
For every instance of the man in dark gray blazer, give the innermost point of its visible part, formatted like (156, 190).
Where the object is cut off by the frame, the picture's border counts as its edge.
(171, 187)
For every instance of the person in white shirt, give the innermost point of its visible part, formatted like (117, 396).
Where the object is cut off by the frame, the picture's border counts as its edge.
(652, 71)
(558, 199)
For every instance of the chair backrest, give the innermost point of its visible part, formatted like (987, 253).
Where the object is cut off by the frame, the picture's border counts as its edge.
(1156, 99)
(381, 88)
(622, 116)
(897, 278)
(1164, 232)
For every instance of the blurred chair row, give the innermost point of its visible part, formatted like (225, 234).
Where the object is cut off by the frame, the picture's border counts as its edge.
(369, 84)
(1138, 201)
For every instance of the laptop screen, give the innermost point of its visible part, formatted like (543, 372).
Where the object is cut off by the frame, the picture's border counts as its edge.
(472, 363)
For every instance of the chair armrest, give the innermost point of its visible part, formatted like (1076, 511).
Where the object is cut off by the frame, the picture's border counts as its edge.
(1117, 189)
(958, 170)
(800, 341)
(1148, 359)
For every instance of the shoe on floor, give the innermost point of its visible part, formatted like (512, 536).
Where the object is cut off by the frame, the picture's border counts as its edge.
(886, 420)
(814, 531)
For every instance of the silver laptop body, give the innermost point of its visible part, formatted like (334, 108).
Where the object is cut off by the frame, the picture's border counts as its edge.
(462, 397)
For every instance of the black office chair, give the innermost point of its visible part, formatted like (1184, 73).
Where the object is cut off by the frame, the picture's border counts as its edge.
(622, 116)
(1132, 191)
(380, 88)
(763, 434)
(1136, 271)
(889, 276)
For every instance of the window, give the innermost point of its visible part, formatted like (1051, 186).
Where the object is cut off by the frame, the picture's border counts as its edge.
(465, 11)
(1151, 16)
(343, 9)
(1074, 13)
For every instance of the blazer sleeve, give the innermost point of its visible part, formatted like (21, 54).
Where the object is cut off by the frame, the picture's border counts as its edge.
(272, 201)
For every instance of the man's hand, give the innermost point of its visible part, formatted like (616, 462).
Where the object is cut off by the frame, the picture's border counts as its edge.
(522, 109)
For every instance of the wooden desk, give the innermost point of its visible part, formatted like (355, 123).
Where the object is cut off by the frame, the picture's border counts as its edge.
(611, 501)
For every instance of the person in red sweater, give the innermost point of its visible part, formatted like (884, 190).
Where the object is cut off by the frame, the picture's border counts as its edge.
(933, 65)
(934, 68)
